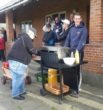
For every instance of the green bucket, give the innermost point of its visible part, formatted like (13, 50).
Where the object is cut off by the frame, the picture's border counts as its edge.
(39, 77)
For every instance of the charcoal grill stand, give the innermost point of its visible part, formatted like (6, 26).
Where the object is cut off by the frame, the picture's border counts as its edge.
(50, 60)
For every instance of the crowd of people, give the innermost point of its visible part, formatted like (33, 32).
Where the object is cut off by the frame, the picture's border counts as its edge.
(68, 33)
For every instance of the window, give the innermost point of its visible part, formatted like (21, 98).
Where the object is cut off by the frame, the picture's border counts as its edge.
(25, 25)
(61, 15)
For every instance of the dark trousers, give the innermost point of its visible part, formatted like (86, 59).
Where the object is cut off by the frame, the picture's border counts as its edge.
(2, 55)
(81, 56)
(72, 75)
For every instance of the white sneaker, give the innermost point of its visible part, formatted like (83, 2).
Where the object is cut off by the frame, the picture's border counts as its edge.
(80, 89)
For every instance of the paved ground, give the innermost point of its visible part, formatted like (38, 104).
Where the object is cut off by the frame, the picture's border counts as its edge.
(91, 98)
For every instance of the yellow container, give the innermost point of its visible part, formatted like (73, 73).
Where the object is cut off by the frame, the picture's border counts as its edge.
(52, 77)
(77, 57)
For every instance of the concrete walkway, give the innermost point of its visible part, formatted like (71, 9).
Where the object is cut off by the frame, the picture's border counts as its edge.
(91, 98)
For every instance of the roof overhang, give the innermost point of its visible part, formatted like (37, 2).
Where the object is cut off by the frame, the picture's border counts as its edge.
(6, 5)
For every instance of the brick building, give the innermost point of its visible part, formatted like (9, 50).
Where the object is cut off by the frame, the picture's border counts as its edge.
(35, 12)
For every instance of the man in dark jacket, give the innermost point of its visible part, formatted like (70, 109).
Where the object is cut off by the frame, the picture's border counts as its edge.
(77, 36)
(58, 26)
(76, 40)
(49, 37)
(62, 36)
(19, 57)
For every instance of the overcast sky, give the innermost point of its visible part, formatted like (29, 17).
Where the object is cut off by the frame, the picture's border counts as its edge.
(2, 2)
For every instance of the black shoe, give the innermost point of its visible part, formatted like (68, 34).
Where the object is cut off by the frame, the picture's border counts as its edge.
(74, 94)
(23, 93)
(19, 97)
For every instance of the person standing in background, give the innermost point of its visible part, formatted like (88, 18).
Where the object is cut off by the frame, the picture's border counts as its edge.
(49, 37)
(49, 20)
(2, 46)
(71, 17)
(5, 38)
(4, 34)
(62, 36)
(58, 26)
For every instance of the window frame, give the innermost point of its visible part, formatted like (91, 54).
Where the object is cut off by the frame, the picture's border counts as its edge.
(59, 13)
(25, 24)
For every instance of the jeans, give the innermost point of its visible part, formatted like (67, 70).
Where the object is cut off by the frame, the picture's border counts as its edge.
(18, 71)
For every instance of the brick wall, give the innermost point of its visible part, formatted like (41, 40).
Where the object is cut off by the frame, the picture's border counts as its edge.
(94, 55)
(96, 21)
(94, 50)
